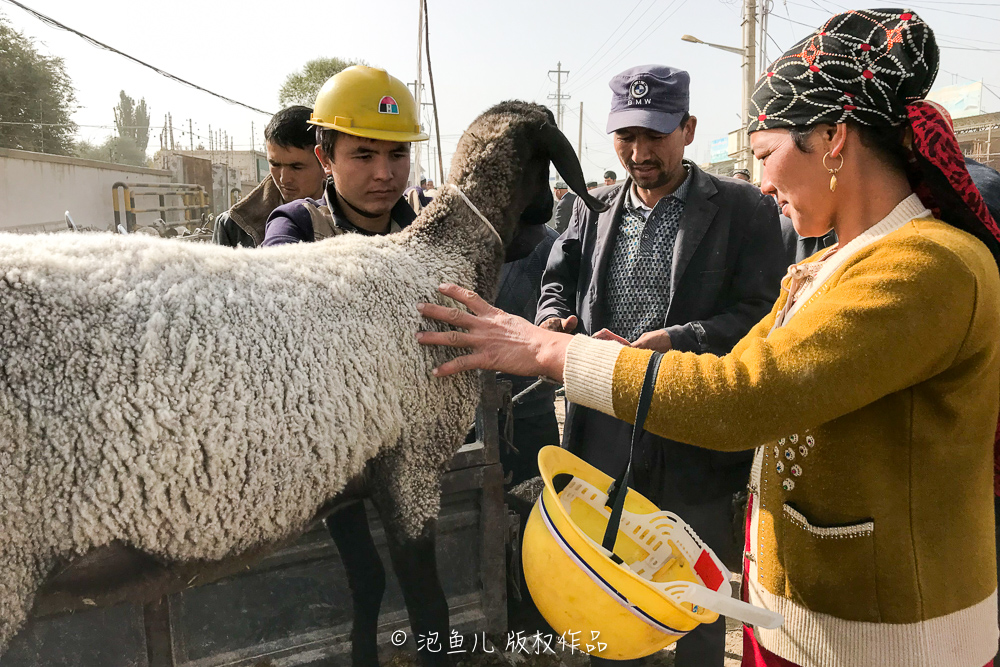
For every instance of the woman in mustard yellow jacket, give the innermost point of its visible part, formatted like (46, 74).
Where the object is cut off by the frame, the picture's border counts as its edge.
(871, 391)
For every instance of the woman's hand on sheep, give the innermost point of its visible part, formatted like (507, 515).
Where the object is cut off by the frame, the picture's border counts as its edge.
(499, 341)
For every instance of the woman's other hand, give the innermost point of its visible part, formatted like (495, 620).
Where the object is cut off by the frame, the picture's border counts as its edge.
(498, 341)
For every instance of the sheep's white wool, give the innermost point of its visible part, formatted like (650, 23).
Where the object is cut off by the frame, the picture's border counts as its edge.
(194, 401)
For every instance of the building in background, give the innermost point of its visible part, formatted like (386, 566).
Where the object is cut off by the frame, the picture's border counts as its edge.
(979, 138)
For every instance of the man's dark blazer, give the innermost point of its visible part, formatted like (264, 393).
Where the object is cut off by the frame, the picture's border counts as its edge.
(564, 211)
(725, 277)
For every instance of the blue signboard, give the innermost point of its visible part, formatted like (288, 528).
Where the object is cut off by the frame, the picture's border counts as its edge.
(719, 150)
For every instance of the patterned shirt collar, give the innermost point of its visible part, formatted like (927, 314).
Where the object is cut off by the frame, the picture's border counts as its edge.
(636, 205)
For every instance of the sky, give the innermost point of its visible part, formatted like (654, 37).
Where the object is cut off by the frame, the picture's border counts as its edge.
(482, 53)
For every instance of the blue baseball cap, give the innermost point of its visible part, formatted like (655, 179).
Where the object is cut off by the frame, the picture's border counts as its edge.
(651, 96)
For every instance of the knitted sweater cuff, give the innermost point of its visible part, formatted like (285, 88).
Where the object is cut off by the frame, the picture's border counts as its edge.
(589, 372)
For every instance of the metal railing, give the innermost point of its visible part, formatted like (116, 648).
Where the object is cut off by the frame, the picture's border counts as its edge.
(195, 202)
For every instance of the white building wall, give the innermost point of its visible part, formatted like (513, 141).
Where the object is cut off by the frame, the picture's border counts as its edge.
(37, 189)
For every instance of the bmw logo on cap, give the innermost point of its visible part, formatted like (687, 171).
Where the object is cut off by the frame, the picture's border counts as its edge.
(638, 89)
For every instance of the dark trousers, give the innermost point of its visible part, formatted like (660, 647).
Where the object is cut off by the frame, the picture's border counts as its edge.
(705, 646)
(529, 435)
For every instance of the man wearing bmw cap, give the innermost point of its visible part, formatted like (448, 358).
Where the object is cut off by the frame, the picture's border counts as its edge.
(681, 260)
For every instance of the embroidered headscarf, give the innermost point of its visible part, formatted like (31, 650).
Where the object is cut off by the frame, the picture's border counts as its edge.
(874, 67)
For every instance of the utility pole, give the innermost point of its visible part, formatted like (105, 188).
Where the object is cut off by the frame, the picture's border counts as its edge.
(211, 144)
(253, 139)
(170, 122)
(559, 97)
(430, 171)
(418, 89)
(749, 76)
(191, 133)
(579, 141)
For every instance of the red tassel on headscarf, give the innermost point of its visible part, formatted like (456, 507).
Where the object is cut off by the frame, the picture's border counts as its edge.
(934, 139)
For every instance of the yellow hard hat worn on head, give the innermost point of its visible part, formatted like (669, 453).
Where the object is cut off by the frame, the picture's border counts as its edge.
(368, 102)
(660, 582)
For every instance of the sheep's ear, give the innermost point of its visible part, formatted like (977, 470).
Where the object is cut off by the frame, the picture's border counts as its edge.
(563, 156)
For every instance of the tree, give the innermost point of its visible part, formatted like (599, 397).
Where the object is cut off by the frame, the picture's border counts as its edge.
(301, 87)
(119, 150)
(36, 97)
(132, 121)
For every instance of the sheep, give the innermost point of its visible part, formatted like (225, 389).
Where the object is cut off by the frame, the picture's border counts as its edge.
(191, 402)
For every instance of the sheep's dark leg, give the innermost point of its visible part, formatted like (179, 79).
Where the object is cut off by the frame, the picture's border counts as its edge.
(415, 563)
(350, 530)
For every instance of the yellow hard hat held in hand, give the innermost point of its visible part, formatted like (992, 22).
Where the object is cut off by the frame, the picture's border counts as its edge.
(368, 102)
(660, 582)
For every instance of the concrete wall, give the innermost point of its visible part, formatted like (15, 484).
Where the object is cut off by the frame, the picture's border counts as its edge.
(37, 189)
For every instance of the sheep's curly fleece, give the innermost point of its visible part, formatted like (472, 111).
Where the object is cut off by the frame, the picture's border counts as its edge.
(193, 401)
(168, 442)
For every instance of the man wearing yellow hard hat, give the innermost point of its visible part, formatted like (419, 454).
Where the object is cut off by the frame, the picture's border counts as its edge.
(365, 121)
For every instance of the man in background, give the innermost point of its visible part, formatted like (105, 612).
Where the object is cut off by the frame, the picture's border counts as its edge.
(294, 173)
(416, 196)
(681, 260)
(534, 416)
(564, 207)
(610, 177)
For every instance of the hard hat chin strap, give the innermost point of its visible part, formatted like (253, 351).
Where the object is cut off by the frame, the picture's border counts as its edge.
(475, 210)
(619, 488)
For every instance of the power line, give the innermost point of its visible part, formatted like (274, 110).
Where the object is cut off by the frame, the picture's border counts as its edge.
(940, 36)
(56, 24)
(948, 11)
(649, 32)
(969, 48)
(777, 16)
(586, 65)
(98, 127)
(914, 4)
(592, 76)
(638, 41)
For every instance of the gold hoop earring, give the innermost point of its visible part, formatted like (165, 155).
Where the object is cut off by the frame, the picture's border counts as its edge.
(833, 171)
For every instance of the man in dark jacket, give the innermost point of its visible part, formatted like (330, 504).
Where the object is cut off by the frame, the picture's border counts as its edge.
(799, 248)
(535, 424)
(295, 173)
(682, 260)
(563, 209)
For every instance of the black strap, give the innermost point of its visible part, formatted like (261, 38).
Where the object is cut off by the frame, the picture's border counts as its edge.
(619, 488)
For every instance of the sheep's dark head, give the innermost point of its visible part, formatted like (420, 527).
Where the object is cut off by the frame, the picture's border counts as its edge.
(514, 142)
